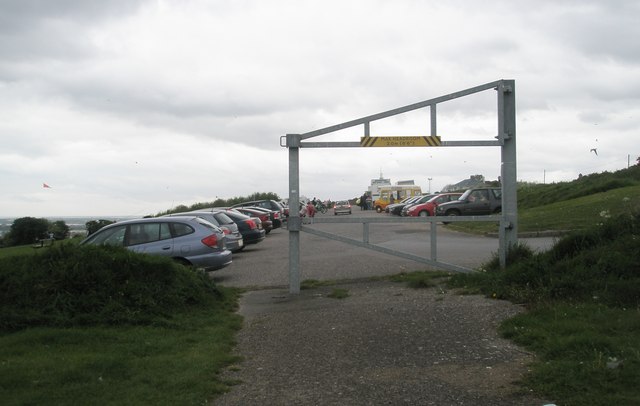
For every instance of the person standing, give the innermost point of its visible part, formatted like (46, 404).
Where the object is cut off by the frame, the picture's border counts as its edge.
(311, 211)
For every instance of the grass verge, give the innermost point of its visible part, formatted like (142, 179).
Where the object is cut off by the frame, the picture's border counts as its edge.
(80, 325)
(583, 321)
(338, 293)
(421, 279)
(587, 354)
(168, 364)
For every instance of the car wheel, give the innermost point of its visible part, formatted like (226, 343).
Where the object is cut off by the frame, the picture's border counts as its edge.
(451, 213)
(183, 262)
(423, 213)
(379, 209)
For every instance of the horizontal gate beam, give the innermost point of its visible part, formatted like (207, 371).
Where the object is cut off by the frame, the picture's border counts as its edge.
(400, 110)
(373, 247)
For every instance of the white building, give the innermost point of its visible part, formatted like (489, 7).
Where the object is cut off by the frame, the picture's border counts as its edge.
(374, 189)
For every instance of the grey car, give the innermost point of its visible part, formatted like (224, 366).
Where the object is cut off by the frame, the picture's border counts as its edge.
(188, 240)
(232, 236)
(342, 206)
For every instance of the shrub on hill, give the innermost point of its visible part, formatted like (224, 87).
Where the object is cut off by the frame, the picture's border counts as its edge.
(598, 265)
(84, 285)
(534, 195)
(222, 202)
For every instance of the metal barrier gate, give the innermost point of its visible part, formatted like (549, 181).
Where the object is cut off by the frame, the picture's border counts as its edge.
(505, 139)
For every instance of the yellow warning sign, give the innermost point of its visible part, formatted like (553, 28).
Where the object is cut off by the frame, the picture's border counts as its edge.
(432, 141)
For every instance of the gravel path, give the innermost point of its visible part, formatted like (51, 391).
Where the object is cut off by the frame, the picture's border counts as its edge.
(385, 344)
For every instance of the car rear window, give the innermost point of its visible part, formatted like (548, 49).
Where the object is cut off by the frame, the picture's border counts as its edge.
(180, 229)
(206, 224)
(209, 217)
(223, 218)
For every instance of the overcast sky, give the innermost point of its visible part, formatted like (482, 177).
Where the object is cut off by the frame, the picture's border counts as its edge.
(130, 107)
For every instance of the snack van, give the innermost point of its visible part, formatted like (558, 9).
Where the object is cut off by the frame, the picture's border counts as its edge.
(399, 192)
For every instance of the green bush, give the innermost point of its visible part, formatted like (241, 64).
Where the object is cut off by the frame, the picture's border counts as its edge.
(27, 230)
(598, 265)
(84, 285)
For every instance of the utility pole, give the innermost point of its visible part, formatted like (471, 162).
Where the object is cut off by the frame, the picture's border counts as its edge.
(429, 185)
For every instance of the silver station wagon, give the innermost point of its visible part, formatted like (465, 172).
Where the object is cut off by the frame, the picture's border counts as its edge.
(188, 240)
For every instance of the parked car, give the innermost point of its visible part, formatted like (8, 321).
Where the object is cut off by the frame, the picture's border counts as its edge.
(267, 224)
(422, 199)
(232, 236)
(406, 200)
(473, 202)
(188, 240)
(428, 208)
(342, 206)
(267, 204)
(250, 227)
(403, 201)
(274, 216)
(285, 206)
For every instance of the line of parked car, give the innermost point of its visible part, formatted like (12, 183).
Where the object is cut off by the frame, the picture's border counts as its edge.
(473, 202)
(205, 238)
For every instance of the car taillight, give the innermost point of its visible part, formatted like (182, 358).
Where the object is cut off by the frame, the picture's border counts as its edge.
(251, 224)
(225, 230)
(276, 215)
(210, 241)
(264, 217)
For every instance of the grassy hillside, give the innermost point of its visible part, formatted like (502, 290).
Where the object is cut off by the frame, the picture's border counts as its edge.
(580, 212)
(574, 205)
(536, 195)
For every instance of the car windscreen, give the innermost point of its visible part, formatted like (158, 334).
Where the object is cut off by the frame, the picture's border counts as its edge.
(111, 236)
(465, 194)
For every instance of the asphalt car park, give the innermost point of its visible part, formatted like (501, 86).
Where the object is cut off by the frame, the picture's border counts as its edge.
(325, 259)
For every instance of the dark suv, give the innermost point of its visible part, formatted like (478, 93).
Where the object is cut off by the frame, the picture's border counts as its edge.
(473, 202)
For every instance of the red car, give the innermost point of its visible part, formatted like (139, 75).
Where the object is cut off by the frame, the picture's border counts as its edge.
(429, 207)
(267, 224)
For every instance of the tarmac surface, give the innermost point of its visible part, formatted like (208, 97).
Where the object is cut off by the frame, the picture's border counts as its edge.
(383, 344)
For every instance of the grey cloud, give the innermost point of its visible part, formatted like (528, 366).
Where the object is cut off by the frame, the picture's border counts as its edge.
(32, 30)
(22, 15)
(597, 29)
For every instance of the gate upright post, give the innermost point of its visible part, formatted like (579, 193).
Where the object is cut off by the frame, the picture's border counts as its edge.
(507, 133)
(293, 143)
